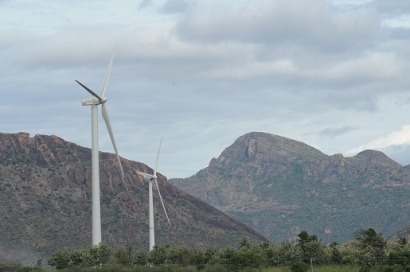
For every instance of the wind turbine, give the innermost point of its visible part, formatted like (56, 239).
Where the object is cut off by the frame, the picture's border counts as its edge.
(153, 179)
(94, 101)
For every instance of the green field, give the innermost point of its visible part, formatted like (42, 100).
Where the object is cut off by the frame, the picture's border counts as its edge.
(326, 268)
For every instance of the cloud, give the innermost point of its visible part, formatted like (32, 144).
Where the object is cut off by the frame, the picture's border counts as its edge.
(368, 68)
(395, 138)
(255, 70)
(399, 153)
(391, 7)
(312, 25)
(175, 6)
(145, 4)
(336, 131)
(202, 73)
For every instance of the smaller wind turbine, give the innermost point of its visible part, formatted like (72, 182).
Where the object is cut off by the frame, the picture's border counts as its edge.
(153, 179)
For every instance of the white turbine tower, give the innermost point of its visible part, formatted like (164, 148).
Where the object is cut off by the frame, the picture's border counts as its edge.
(153, 179)
(94, 101)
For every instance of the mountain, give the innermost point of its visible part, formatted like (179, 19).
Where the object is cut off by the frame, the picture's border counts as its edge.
(279, 187)
(45, 203)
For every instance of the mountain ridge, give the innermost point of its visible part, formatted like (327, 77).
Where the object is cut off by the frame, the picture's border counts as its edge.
(45, 202)
(279, 186)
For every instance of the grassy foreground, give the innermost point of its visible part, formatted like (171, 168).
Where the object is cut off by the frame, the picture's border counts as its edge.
(325, 268)
(171, 268)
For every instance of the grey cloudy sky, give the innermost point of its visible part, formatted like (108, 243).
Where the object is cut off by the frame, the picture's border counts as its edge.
(332, 74)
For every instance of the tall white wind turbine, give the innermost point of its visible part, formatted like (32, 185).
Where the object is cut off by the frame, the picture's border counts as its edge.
(94, 101)
(153, 179)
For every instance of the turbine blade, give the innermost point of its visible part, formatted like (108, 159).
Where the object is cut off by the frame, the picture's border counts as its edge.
(145, 175)
(108, 124)
(89, 90)
(157, 160)
(162, 202)
(107, 76)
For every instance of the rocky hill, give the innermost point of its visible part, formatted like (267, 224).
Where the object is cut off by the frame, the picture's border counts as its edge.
(279, 187)
(45, 203)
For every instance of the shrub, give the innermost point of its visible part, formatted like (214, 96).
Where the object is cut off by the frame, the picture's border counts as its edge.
(299, 267)
(215, 268)
(394, 268)
(365, 269)
(140, 258)
(60, 259)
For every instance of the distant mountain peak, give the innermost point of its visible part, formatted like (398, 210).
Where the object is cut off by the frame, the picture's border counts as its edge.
(261, 147)
(376, 157)
(278, 185)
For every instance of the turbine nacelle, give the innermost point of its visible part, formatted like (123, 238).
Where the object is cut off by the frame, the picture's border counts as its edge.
(93, 101)
(147, 176)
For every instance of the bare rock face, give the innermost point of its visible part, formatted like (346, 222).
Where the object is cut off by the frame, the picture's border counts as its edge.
(276, 185)
(45, 203)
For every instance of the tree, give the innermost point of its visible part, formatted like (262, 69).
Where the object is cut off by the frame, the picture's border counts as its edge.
(178, 255)
(122, 256)
(140, 258)
(157, 256)
(402, 241)
(372, 245)
(299, 266)
(272, 255)
(311, 247)
(289, 253)
(198, 259)
(60, 259)
(335, 255)
(400, 254)
(96, 255)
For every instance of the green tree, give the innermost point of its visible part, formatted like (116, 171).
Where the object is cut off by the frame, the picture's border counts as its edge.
(403, 241)
(334, 253)
(178, 255)
(288, 253)
(95, 255)
(311, 248)
(198, 258)
(225, 256)
(60, 259)
(400, 254)
(249, 255)
(213, 256)
(351, 253)
(372, 244)
(122, 256)
(299, 266)
(76, 259)
(140, 258)
(370, 238)
(272, 255)
(157, 256)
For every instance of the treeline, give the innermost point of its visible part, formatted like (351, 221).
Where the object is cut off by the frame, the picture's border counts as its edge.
(367, 252)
